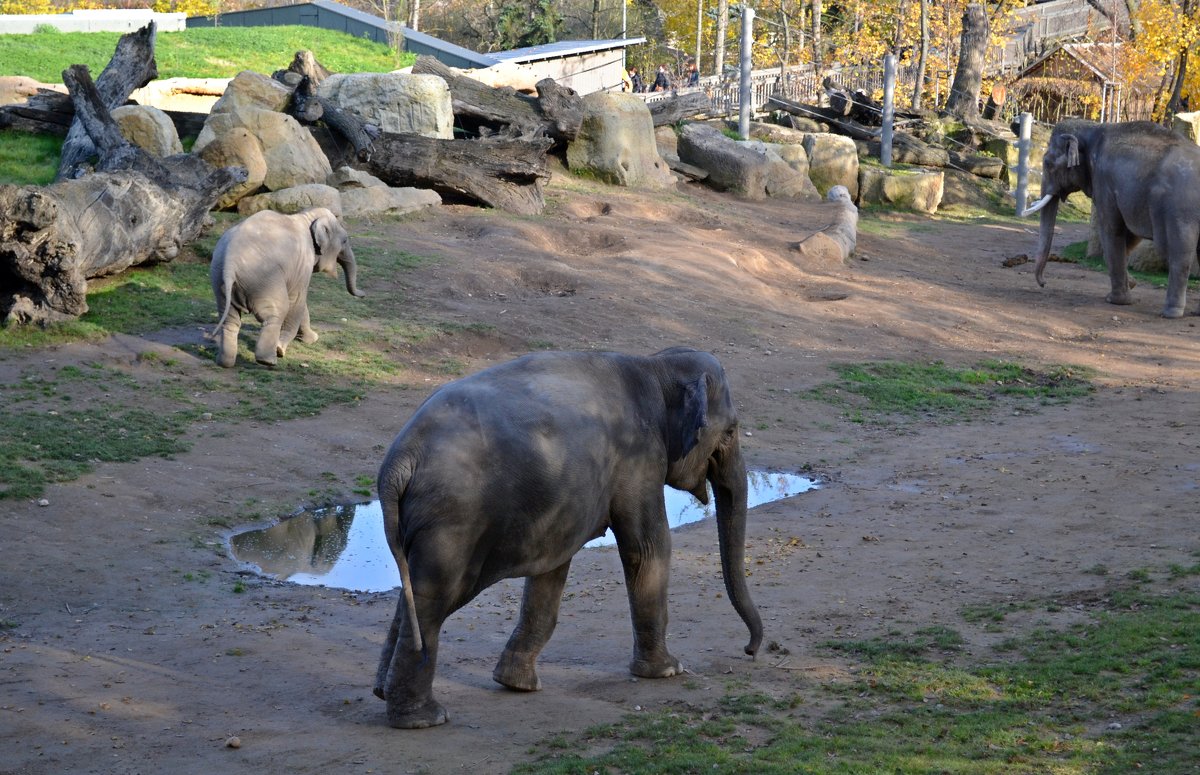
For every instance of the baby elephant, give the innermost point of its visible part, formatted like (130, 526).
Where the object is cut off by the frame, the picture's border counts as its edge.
(263, 265)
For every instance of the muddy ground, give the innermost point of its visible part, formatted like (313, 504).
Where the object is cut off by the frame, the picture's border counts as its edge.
(126, 648)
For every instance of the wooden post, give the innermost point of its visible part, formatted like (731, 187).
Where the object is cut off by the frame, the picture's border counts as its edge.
(889, 109)
(1023, 143)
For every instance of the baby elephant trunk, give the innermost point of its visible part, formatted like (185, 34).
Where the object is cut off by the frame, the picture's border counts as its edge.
(346, 259)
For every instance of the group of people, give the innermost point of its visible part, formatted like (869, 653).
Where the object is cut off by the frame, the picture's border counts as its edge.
(632, 80)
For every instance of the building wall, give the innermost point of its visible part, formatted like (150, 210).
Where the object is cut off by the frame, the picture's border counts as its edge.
(104, 20)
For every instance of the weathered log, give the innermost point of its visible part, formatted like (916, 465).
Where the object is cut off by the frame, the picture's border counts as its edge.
(677, 107)
(562, 108)
(131, 67)
(505, 173)
(840, 124)
(304, 65)
(308, 108)
(134, 210)
(476, 104)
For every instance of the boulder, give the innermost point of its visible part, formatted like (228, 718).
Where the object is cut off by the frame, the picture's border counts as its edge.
(902, 189)
(907, 149)
(249, 89)
(237, 148)
(377, 200)
(345, 178)
(748, 168)
(293, 200)
(19, 88)
(149, 129)
(783, 183)
(772, 133)
(962, 190)
(667, 142)
(1188, 125)
(835, 243)
(616, 143)
(402, 103)
(978, 164)
(292, 155)
(832, 161)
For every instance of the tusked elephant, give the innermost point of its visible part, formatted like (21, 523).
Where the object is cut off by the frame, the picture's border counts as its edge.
(263, 266)
(509, 472)
(1144, 183)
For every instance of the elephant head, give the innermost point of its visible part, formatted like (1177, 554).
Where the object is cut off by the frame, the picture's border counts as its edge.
(1066, 168)
(703, 448)
(332, 246)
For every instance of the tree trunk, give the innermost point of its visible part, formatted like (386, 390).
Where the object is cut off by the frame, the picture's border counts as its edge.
(919, 85)
(818, 46)
(505, 173)
(963, 100)
(722, 31)
(678, 107)
(135, 209)
(131, 67)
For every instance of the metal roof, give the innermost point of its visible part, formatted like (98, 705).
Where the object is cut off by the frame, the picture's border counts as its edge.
(562, 49)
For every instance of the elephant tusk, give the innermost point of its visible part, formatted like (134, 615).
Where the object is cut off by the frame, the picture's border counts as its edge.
(1038, 205)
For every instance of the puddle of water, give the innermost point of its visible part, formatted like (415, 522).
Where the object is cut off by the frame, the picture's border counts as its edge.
(344, 547)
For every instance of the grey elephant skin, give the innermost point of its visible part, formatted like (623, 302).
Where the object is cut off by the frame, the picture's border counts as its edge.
(263, 266)
(509, 472)
(1144, 183)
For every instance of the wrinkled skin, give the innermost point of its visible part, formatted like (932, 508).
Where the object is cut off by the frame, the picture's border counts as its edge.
(507, 473)
(263, 266)
(1144, 183)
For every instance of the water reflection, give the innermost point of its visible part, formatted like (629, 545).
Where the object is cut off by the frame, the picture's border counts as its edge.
(344, 547)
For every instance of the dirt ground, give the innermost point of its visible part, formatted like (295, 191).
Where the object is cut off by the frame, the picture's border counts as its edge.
(128, 651)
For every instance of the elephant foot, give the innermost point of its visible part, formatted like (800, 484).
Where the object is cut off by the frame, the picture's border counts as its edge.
(1119, 298)
(226, 363)
(309, 336)
(423, 716)
(644, 668)
(1172, 312)
(269, 363)
(515, 674)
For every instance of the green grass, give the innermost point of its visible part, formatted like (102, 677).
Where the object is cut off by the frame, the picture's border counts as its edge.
(28, 159)
(1076, 253)
(882, 391)
(1040, 703)
(218, 52)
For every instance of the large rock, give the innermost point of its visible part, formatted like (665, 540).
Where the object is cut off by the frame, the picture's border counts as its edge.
(344, 178)
(19, 88)
(237, 148)
(149, 129)
(832, 245)
(252, 90)
(832, 161)
(772, 133)
(293, 200)
(1188, 125)
(964, 191)
(292, 155)
(782, 182)
(907, 149)
(378, 200)
(749, 169)
(903, 189)
(395, 102)
(616, 144)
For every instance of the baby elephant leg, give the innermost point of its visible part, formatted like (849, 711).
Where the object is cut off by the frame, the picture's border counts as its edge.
(227, 340)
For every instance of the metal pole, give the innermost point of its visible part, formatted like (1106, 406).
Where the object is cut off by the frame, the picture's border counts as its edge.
(746, 91)
(889, 109)
(699, 29)
(1023, 144)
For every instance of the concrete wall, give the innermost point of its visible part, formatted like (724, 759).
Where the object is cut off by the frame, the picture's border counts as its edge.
(93, 21)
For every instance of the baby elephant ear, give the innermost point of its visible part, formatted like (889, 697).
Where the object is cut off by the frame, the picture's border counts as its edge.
(322, 229)
(691, 415)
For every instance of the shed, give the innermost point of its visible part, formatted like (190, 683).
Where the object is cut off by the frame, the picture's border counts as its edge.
(1076, 80)
(584, 65)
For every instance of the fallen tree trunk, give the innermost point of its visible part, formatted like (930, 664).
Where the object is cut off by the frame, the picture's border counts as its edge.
(477, 104)
(838, 123)
(134, 210)
(506, 173)
(131, 67)
(678, 107)
(308, 108)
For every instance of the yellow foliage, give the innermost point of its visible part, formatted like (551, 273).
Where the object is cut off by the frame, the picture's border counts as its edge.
(25, 7)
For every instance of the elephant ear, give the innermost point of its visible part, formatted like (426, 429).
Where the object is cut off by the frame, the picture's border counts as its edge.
(689, 417)
(323, 229)
(1072, 150)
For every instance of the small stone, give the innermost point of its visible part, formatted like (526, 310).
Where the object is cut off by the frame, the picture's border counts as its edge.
(234, 742)
(43, 502)
(1115, 726)
(748, 433)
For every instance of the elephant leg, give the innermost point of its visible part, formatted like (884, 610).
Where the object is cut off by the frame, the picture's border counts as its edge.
(307, 334)
(1179, 250)
(1116, 256)
(405, 676)
(644, 544)
(227, 342)
(539, 614)
(267, 350)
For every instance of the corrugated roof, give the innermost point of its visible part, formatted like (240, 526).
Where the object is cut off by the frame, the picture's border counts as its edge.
(561, 49)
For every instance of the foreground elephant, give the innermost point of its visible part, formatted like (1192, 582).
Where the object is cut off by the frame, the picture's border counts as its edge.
(1144, 183)
(508, 472)
(263, 266)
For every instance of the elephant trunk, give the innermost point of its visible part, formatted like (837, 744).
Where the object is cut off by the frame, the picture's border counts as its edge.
(1045, 237)
(346, 259)
(727, 473)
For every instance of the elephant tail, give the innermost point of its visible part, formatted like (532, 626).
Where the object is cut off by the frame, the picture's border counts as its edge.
(227, 279)
(391, 488)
